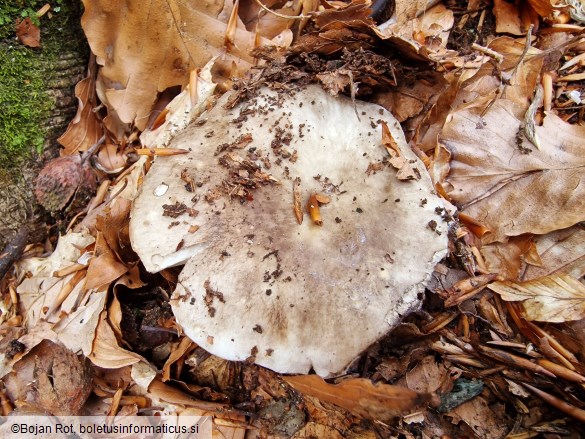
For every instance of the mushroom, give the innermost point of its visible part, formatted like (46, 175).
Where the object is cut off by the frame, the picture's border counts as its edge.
(256, 284)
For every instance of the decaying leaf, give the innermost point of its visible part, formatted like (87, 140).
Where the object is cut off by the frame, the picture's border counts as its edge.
(519, 189)
(183, 109)
(480, 419)
(361, 396)
(27, 32)
(397, 159)
(551, 298)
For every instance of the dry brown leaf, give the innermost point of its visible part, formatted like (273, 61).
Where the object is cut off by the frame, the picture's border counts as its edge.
(480, 417)
(561, 252)
(181, 349)
(506, 258)
(526, 77)
(411, 99)
(430, 30)
(405, 169)
(27, 32)
(426, 376)
(105, 267)
(113, 225)
(172, 395)
(542, 7)
(110, 159)
(182, 109)
(147, 48)
(546, 299)
(327, 415)
(85, 128)
(510, 187)
(406, 10)
(516, 82)
(106, 352)
(361, 396)
(77, 330)
(270, 25)
(507, 18)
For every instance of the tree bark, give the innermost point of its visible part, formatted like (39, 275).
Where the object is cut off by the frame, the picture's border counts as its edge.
(60, 63)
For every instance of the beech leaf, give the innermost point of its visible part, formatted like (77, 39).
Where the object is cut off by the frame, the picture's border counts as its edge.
(551, 298)
(360, 396)
(501, 180)
(147, 47)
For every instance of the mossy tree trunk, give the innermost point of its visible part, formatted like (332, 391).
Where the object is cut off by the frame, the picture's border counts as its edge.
(38, 101)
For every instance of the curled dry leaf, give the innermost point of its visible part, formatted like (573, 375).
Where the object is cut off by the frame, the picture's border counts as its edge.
(314, 211)
(106, 352)
(85, 128)
(361, 396)
(519, 189)
(110, 159)
(397, 159)
(547, 299)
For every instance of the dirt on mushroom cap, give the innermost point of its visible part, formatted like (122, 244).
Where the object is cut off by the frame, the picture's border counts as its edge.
(320, 294)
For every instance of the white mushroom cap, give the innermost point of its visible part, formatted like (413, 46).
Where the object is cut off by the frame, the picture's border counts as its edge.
(257, 284)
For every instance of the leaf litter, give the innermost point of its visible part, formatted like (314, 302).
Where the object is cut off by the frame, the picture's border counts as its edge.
(516, 256)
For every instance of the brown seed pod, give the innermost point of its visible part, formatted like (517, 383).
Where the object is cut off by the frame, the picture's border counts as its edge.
(64, 179)
(50, 378)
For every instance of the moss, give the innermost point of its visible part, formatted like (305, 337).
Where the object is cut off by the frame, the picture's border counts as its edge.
(26, 75)
(22, 98)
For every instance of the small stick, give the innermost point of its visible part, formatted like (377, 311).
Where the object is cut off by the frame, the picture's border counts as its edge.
(489, 52)
(92, 149)
(288, 17)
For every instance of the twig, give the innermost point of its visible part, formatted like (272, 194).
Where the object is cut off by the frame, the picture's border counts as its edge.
(489, 52)
(288, 17)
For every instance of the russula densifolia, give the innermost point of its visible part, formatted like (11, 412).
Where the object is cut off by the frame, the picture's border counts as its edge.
(258, 285)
